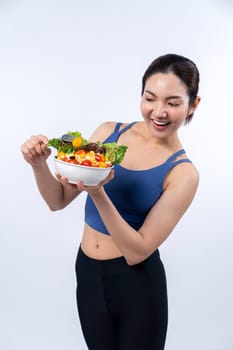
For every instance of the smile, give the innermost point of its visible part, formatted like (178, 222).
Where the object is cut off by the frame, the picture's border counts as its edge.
(159, 122)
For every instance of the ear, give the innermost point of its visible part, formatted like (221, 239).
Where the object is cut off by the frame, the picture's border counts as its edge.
(194, 106)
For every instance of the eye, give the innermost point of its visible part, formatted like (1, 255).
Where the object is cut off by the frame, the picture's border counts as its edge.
(173, 104)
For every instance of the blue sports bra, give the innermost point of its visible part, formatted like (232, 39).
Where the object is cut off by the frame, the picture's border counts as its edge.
(133, 192)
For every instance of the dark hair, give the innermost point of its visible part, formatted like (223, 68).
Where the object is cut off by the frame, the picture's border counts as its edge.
(182, 67)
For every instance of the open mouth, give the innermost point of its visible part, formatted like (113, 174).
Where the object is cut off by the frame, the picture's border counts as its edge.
(160, 122)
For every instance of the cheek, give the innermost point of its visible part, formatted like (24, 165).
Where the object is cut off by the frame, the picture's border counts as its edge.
(181, 112)
(144, 108)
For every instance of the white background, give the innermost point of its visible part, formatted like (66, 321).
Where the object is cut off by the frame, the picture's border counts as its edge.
(69, 65)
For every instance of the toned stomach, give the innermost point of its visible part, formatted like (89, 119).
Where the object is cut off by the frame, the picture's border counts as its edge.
(98, 245)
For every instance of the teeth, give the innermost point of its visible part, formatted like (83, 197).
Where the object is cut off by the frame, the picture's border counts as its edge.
(159, 122)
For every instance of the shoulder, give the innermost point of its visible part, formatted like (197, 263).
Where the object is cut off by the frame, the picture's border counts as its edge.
(184, 176)
(103, 131)
(180, 188)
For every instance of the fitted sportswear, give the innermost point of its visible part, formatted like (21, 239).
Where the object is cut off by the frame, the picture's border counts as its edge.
(133, 192)
(122, 307)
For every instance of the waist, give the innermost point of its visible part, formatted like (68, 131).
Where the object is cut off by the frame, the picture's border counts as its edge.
(98, 245)
(119, 262)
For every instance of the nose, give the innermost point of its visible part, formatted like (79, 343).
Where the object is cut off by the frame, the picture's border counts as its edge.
(159, 111)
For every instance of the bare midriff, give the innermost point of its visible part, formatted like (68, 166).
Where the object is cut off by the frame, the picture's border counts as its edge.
(98, 245)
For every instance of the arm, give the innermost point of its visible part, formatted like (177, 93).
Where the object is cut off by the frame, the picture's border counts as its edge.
(56, 194)
(135, 245)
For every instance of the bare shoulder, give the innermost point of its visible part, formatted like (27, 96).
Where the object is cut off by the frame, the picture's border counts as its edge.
(103, 131)
(185, 176)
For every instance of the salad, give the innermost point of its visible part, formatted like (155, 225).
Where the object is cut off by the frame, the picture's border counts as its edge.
(73, 148)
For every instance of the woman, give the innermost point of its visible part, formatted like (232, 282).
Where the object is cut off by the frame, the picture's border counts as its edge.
(121, 283)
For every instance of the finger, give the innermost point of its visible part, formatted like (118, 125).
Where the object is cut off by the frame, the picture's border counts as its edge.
(46, 151)
(32, 148)
(38, 145)
(43, 139)
(58, 176)
(64, 181)
(43, 142)
(108, 178)
(81, 186)
(98, 186)
(111, 174)
(27, 150)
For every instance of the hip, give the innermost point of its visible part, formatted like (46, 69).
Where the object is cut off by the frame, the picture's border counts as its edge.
(145, 280)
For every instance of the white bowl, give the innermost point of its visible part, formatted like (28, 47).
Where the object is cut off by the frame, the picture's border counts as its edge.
(90, 176)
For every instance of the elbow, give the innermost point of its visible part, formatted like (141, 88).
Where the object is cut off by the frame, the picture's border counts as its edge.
(132, 262)
(140, 253)
(135, 259)
(53, 207)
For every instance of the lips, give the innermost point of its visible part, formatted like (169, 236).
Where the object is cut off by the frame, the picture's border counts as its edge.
(160, 123)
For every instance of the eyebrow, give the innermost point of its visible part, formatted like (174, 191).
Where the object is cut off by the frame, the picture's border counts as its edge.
(168, 98)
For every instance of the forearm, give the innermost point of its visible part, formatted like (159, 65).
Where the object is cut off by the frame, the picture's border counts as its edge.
(130, 242)
(53, 192)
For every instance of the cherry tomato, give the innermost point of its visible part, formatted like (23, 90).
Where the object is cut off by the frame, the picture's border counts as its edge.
(65, 159)
(73, 161)
(86, 162)
(98, 157)
(80, 152)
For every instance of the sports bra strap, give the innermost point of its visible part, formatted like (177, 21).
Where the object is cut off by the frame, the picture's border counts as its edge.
(175, 155)
(113, 137)
(126, 128)
(172, 162)
(117, 127)
(185, 160)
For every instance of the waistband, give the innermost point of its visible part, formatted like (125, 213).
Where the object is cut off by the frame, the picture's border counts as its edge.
(118, 261)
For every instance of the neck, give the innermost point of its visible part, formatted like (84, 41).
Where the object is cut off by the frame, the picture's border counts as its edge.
(171, 142)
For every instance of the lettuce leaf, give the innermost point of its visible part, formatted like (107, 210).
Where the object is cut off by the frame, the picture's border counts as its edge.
(115, 153)
(55, 143)
(59, 145)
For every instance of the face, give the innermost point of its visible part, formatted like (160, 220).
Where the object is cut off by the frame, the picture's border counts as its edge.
(165, 104)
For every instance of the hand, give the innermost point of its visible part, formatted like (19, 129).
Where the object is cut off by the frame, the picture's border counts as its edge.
(35, 150)
(64, 181)
(81, 187)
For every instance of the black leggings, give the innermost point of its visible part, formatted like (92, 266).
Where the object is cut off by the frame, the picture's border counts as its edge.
(122, 307)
